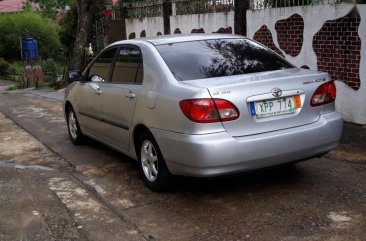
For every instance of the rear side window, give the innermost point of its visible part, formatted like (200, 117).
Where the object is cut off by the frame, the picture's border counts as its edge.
(128, 66)
(100, 68)
(219, 57)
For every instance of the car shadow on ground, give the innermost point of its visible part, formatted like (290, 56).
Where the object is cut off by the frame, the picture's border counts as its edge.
(283, 175)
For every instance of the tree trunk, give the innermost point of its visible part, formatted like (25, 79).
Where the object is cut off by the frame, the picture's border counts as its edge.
(240, 16)
(85, 10)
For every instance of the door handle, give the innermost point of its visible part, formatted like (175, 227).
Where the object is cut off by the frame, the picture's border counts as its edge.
(96, 88)
(98, 91)
(130, 95)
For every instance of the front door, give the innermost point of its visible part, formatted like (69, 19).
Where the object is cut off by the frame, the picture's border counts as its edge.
(89, 98)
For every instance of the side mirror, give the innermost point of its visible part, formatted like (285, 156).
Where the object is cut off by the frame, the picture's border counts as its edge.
(75, 75)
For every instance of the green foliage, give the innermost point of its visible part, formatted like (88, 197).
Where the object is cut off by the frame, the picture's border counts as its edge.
(39, 27)
(16, 68)
(68, 26)
(13, 72)
(53, 4)
(67, 30)
(49, 7)
(49, 66)
(4, 66)
(51, 70)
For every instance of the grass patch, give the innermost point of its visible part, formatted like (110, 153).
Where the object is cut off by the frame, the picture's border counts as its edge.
(12, 87)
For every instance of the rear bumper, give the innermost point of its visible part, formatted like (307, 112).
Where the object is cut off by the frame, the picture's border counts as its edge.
(219, 153)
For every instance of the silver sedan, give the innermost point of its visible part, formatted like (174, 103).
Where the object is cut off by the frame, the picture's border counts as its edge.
(202, 105)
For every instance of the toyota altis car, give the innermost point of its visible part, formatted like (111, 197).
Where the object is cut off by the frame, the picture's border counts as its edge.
(202, 105)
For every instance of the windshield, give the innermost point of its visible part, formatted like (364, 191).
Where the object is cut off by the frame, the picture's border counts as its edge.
(219, 57)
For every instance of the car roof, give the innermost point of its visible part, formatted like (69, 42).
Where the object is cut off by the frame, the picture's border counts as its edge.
(176, 38)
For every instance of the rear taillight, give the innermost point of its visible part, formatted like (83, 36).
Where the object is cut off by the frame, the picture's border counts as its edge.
(209, 110)
(324, 94)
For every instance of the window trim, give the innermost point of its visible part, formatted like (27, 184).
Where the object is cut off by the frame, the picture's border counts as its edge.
(87, 70)
(138, 68)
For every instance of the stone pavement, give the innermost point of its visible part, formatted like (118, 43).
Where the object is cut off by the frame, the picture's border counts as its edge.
(39, 197)
(320, 199)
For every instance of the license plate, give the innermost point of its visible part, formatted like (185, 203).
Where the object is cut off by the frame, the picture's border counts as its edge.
(274, 107)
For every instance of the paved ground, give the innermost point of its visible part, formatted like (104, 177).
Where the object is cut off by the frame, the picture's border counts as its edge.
(97, 194)
(5, 83)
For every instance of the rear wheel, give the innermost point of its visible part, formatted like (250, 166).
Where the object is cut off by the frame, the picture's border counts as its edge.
(154, 170)
(73, 126)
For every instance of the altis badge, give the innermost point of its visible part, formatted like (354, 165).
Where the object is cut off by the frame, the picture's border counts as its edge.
(317, 80)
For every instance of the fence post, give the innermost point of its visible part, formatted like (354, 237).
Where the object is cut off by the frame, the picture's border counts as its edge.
(240, 16)
(167, 12)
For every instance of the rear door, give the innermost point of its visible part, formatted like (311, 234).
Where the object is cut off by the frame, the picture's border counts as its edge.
(120, 94)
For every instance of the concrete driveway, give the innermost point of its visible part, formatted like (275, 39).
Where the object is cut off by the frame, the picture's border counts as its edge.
(320, 199)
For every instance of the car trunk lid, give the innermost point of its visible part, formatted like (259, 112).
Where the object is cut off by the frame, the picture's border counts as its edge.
(252, 92)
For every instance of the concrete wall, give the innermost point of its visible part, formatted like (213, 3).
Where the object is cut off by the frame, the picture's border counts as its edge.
(351, 99)
(210, 22)
(151, 25)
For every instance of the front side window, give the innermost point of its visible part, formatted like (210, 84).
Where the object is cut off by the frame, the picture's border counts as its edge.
(219, 57)
(99, 70)
(128, 67)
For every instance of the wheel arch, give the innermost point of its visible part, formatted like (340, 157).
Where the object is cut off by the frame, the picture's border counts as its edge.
(163, 176)
(137, 131)
(67, 105)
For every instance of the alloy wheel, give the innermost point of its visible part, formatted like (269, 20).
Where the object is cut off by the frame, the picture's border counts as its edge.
(149, 160)
(73, 125)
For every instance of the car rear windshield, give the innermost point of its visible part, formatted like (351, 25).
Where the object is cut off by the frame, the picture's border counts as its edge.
(219, 57)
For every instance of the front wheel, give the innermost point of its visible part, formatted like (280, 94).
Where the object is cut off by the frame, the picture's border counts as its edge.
(73, 126)
(154, 170)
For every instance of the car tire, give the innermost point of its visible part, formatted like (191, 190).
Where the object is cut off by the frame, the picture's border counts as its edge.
(73, 127)
(154, 171)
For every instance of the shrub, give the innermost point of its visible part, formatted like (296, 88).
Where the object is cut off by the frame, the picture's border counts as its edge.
(49, 66)
(67, 30)
(51, 69)
(12, 70)
(16, 68)
(42, 29)
(4, 66)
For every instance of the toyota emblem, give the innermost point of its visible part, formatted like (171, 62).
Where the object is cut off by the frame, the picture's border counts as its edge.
(276, 92)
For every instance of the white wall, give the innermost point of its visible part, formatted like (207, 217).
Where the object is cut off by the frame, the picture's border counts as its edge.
(210, 22)
(151, 25)
(351, 103)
